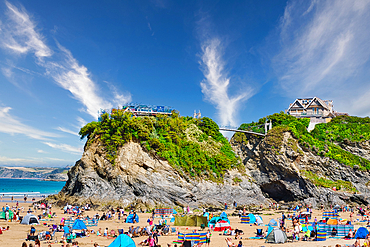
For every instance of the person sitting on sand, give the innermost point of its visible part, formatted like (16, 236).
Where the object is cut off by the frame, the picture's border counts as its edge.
(334, 232)
(357, 243)
(151, 241)
(32, 231)
(145, 242)
(350, 234)
(112, 234)
(106, 232)
(98, 232)
(37, 243)
(229, 242)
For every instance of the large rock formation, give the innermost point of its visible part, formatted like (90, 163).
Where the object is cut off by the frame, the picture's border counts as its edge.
(280, 173)
(138, 178)
(271, 173)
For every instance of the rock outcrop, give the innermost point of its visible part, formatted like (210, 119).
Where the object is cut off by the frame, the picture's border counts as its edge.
(280, 173)
(138, 178)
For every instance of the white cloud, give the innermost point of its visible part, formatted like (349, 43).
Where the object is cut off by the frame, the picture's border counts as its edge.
(67, 131)
(76, 79)
(119, 99)
(11, 125)
(216, 84)
(30, 161)
(20, 36)
(65, 147)
(41, 151)
(325, 51)
(82, 122)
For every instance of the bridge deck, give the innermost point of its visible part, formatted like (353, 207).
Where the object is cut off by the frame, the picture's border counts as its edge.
(243, 131)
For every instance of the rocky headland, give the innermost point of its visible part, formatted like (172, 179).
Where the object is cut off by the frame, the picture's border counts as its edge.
(289, 164)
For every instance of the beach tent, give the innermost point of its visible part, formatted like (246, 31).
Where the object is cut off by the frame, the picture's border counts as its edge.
(272, 223)
(2, 215)
(206, 214)
(30, 219)
(276, 236)
(361, 233)
(130, 218)
(190, 220)
(216, 219)
(79, 225)
(123, 241)
(259, 220)
(252, 218)
(332, 222)
(222, 225)
(42, 205)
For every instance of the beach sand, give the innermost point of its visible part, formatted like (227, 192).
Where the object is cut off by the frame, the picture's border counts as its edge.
(18, 233)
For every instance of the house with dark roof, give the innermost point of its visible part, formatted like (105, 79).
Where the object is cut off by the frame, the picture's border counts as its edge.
(311, 108)
(318, 110)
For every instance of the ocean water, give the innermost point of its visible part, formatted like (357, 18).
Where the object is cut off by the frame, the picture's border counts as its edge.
(29, 187)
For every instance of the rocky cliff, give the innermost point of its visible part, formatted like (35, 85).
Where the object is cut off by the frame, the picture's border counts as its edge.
(138, 178)
(289, 173)
(288, 164)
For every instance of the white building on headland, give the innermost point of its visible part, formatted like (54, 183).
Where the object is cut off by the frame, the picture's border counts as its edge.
(318, 110)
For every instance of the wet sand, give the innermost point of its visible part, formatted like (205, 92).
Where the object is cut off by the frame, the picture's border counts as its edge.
(18, 233)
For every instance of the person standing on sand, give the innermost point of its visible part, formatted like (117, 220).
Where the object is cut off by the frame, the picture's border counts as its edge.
(208, 237)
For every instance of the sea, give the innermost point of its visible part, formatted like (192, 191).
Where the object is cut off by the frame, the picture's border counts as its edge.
(18, 188)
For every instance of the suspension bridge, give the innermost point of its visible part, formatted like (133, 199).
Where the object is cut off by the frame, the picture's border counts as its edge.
(267, 125)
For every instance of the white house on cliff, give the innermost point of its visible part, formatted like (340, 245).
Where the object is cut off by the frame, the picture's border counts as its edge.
(318, 110)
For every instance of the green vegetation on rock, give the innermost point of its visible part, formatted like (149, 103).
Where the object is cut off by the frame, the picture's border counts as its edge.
(327, 183)
(193, 147)
(322, 140)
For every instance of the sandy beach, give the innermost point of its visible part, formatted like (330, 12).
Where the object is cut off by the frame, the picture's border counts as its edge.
(18, 233)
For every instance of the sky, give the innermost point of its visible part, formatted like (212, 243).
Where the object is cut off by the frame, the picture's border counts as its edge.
(235, 61)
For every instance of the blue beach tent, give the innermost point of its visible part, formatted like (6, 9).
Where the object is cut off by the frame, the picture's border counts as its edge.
(123, 241)
(272, 223)
(361, 233)
(130, 218)
(216, 219)
(252, 218)
(79, 225)
(223, 216)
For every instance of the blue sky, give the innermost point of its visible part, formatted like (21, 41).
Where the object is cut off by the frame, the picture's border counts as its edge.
(235, 61)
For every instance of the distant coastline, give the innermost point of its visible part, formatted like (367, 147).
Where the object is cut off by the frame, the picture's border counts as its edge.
(35, 173)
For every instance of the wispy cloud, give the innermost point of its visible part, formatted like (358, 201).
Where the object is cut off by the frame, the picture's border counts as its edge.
(65, 147)
(20, 36)
(41, 151)
(119, 99)
(67, 131)
(10, 125)
(325, 51)
(30, 161)
(216, 84)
